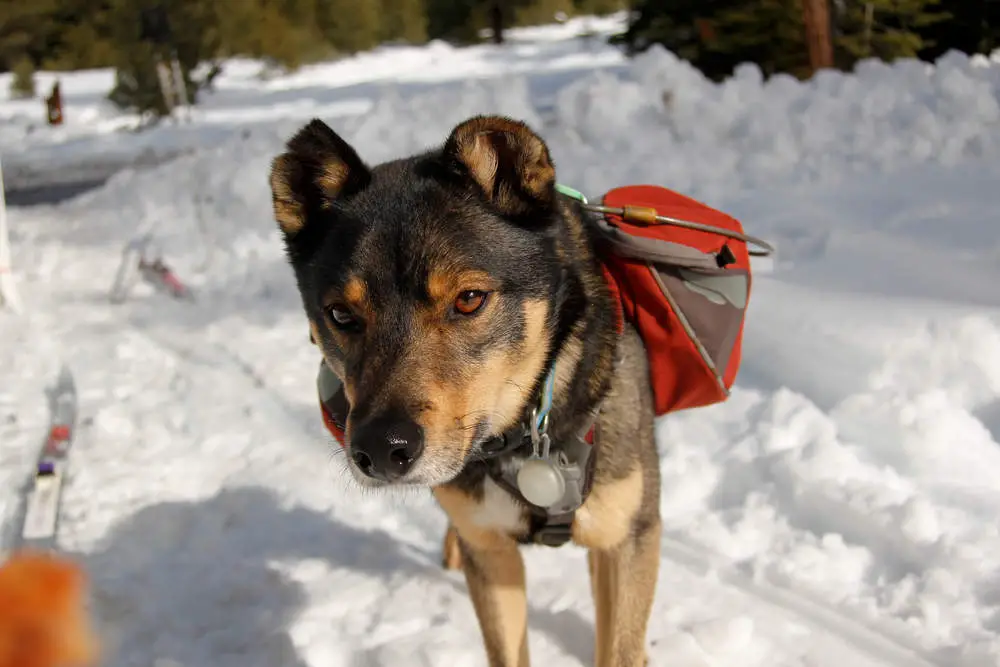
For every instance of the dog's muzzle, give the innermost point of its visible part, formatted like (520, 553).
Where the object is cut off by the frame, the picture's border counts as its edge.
(383, 448)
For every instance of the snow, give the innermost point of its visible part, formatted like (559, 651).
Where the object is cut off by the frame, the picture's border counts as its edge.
(839, 509)
(248, 93)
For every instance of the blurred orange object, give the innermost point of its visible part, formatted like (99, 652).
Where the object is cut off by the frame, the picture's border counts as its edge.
(43, 614)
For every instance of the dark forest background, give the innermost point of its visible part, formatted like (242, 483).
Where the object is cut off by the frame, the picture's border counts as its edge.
(782, 36)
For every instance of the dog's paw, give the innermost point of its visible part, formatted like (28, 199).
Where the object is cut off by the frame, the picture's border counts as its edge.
(451, 554)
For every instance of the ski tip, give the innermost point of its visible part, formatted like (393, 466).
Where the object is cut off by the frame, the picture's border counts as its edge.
(65, 375)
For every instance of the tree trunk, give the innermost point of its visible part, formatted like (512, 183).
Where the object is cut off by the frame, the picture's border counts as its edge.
(496, 18)
(816, 16)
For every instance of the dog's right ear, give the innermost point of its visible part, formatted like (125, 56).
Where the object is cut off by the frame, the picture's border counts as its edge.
(508, 162)
(317, 168)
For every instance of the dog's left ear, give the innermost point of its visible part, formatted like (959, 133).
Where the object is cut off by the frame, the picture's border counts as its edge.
(508, 161)
(317, 168)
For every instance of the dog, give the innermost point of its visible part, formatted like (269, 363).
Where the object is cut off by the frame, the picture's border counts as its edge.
(457, 294)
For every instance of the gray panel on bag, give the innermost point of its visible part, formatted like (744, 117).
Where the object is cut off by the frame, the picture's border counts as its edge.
(731, 287)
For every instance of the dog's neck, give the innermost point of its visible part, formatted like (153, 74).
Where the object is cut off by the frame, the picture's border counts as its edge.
(584, 347)
(583, 360)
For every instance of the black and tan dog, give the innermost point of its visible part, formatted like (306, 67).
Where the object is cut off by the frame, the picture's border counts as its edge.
(447, 291)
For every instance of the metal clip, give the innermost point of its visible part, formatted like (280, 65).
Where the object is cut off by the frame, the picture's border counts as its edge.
(540, 442)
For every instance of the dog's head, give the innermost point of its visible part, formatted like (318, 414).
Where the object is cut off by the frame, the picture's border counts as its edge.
(433, 286)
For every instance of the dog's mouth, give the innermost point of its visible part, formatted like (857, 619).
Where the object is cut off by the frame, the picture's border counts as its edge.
(482, 433)
(436, 462)
(428, 471)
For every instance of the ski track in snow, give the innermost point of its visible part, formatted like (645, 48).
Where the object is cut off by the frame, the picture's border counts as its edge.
(839, 509)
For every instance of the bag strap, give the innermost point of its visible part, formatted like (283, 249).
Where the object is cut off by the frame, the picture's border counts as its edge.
(655, 250)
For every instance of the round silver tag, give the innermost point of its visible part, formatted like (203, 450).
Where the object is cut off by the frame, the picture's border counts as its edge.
(540, 482)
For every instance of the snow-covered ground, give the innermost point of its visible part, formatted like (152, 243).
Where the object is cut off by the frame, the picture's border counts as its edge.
(840, 509)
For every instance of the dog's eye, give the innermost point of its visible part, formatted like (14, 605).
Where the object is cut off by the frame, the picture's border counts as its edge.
(470, 301)
(342, 317)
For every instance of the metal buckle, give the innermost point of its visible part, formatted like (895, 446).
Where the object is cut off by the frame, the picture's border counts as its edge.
(539, 437)
(553, 536)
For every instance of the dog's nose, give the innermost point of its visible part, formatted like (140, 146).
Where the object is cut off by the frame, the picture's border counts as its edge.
(385, 448)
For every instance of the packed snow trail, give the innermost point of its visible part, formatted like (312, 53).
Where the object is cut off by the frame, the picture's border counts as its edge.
(274, 535)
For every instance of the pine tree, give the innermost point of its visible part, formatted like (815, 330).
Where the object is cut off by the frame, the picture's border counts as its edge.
(22, 84)
(82, 38)
(282, 33)
(682, 27)
(148, 33)
(972, 27)
(538, 12)
(600, 7)
(462, 20)
(349, 26)
(770, 33)
(403, 20)
(717, 35)
(450, 20)
(25, 26)
(886, 29)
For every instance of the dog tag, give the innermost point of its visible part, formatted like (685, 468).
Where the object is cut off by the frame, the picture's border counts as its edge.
(540, 482)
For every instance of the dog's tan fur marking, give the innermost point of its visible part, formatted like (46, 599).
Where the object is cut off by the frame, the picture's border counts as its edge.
(604, 520)
(495, 388)
(440, 285)
(483, 144)
(444, 286)
(354, 292)
(481, 159)
(314, 333)
(451, 558)
(494, 573)
(502, 385)
(317, 167)
(350, 394)
(288, 209)
(623, 583)
(536, 170)
(569, 358)
(332, 176)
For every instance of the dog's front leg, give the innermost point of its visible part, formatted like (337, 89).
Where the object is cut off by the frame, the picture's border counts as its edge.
(451, 552)
(623, 580)
(494, 573)
(620, 526)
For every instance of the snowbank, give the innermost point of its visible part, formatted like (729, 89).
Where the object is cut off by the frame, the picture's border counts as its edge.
(660, 121)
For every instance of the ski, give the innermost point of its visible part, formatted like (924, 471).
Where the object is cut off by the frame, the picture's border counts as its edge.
(41, 517)
(141, 255)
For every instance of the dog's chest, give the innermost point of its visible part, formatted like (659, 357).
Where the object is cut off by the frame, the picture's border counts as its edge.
(498, 510)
